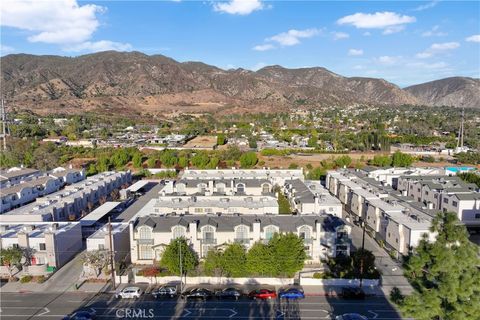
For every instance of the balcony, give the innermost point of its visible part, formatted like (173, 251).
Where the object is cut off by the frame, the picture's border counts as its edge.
(308, 241)
(242, 241)
(145, 241)
(209, 241)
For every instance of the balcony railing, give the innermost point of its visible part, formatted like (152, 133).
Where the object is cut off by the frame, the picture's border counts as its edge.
(242, 241)
(145, 241)
(209, 241)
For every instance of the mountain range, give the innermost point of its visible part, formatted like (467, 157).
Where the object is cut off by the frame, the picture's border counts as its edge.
(133, 82)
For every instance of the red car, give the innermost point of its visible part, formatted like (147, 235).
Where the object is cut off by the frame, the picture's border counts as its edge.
(263, 294)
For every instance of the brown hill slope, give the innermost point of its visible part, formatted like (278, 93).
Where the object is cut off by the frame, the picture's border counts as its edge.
(137, 82)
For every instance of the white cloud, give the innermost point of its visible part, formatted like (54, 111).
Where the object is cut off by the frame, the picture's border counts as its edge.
(423, 65)
(474, 38)
(292, 37)
(264, 47)
(6, 49)
(437, 48)
(56, 22)
(388, 60)
(340, 35)
(391, 22)
(366, 34)
(240, 7)
(96, 46)
(355, 52)
(429, 5)
(434, 32)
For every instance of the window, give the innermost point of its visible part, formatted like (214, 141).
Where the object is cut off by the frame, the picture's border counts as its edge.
(477, 215)
(208, 232)
(241, 232)
(101, 246)
(178, 232)
(202, 187)
(145, 252)
(42, 246)
(435, 196)
(445, 200)
(269, 232)
(198, 210)
(240, 187)
(454, 203)
(265, 188)
(396, 240)
(304, 232)
(145, 233)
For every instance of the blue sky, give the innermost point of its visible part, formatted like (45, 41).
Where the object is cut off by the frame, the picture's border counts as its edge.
(405, 42)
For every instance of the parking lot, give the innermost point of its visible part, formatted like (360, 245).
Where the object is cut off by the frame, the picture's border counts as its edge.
(106, 306)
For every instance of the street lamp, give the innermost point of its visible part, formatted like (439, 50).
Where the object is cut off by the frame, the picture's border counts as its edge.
(362, 221)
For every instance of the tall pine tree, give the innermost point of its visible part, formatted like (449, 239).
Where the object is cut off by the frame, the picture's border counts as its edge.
(445, 274)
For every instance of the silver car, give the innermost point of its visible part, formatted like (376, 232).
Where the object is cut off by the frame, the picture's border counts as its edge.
(129, 293)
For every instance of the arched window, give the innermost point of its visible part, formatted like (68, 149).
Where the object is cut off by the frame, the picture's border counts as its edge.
(304, 232)
(265, 188)
(269, 232)
(145, 233)
(241, 232)
(202, 187)
(208, 232)
(240, 187)
(178, 232)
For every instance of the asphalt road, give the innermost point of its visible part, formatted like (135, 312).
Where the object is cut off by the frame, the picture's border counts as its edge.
(55, 306)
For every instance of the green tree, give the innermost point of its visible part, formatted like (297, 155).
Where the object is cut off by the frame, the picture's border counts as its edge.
(248, 159)
(46, 156)
(312, 142)
(221, 139)
(381, 161)
(234, 260)
(168, 159)
(260, 260)
(137, 160)
(171, 257)
(343, 161)
(400, 159)
(200, 160)
(288, 252)
(103, 163)
(212, 264)
(444, 273)
(183, 162)
(316, 173)
(10, 258)
(152, 162)
(252, 142)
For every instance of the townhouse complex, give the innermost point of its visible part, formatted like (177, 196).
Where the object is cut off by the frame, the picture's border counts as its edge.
(20, 186)
(52, 244)
(212, 208)
(39, 213)
(398, 206)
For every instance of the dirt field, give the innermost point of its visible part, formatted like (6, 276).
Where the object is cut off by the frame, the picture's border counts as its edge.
(313, 159)
(202, 142)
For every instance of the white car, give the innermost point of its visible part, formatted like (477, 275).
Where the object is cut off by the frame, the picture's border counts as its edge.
(129, 293)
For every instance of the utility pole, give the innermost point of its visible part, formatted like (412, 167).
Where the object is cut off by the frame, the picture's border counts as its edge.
(4, 126)
(363, 252)
(181, 265)
(112, 264)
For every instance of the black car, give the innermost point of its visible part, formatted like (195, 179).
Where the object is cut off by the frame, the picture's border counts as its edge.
(165, 291)
(197, 293)
(353, 293)
(228, 293)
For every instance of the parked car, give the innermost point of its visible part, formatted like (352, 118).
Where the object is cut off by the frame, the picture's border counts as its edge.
(351, 316)
(263, 294)
(291, 293)
(129, 293)
(353, 293)
(228, 293)
(165, 291)
(197, 293)
(82, 315)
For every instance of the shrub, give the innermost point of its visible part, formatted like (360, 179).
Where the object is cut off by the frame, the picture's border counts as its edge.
(319, 275)
(26, 279)
(396, 295)
(40, 279)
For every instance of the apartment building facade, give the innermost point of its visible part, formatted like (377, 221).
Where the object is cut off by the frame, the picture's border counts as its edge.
(324, 236)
